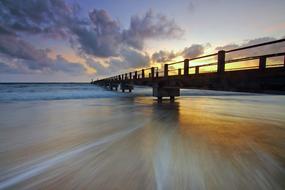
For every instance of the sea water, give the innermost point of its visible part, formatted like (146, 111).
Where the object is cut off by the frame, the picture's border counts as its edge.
(80, 136)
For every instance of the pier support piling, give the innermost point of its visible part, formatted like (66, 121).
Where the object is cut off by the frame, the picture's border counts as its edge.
(126, 86)
(166, 91)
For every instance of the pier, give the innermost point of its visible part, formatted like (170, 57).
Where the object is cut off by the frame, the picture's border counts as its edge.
(226, 70)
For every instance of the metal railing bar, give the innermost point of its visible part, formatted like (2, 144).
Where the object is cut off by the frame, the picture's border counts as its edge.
(256, 45)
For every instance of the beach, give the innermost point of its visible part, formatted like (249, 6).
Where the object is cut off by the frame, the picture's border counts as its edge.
(78, 136)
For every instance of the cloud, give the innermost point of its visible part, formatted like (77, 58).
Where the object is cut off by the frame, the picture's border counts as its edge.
(268, 49)
(163, 56)
(4, 68)
(193, 51)
(14, 47)
(134, 58)
(129, 58)
(37, 17)
(98, 35)
(20, 56)
(150, 26)
(191, 6)
(106, 37)
(60, 64)
(102, 38)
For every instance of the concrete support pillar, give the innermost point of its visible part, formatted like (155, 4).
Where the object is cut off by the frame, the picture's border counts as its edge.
(221, 61)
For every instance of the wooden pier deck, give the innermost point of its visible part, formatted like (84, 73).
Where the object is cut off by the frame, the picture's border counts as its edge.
(254, 73)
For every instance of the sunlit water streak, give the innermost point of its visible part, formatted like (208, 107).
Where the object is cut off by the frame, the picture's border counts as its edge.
(208, 140)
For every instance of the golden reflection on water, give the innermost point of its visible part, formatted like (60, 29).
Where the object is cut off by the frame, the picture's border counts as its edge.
(137, 143)
(230, 133)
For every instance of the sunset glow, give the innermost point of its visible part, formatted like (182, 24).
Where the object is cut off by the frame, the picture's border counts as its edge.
(93, 39)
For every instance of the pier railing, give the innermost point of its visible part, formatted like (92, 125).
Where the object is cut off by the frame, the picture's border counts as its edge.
(215, 62)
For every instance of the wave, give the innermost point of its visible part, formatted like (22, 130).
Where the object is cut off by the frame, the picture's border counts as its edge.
(63, 91)
(29, 92)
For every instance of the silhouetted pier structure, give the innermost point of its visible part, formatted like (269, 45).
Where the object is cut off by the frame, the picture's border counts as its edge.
(215, 72)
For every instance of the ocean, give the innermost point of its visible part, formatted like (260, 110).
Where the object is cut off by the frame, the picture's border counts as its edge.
(80, 136)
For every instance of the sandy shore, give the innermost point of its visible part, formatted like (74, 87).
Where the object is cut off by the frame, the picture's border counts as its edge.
(209, 142)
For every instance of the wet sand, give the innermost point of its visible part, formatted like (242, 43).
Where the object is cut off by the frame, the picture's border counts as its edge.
(201, 142)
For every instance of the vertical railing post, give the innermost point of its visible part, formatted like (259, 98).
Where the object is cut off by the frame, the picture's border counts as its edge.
(130, 75)
(197, 70)
(165, 70)
(284, 61)
(221, 61)
(126, 76)
(142, 73)
(119, 77)
(186, 67)
(262, 63)
(136, 75)
(179, 72)
(152, 72)
(156, 73)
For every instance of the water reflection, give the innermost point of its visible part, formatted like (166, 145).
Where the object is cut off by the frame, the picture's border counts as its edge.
(137, 143)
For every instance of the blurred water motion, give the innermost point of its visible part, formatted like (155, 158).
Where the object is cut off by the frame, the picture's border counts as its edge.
(225, 142)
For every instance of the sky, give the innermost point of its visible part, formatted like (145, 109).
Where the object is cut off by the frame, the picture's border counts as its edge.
(76, 41)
